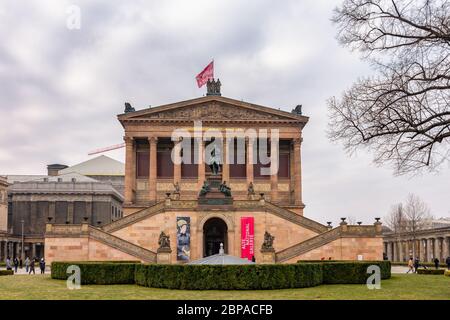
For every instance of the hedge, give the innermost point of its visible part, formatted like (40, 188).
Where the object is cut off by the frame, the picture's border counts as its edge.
(223, 277)
(6, 272)
(447, 273)
(111, 272)
(430, 271)
(229, 277)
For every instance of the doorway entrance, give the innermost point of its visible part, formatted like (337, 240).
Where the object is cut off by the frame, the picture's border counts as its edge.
(215, 232)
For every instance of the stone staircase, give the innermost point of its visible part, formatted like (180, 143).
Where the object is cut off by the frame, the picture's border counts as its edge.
(134, 217)
(308, 245)
(295, 218)
(122, 245)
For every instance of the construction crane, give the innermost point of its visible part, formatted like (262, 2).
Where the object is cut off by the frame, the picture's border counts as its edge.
(101, 150)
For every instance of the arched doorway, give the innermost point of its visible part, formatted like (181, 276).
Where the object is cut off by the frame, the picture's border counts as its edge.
(215, 232)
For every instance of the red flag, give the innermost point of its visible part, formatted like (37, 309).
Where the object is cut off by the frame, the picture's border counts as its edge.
(205, 75)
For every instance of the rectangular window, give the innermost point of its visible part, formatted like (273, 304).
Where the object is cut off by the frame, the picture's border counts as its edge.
(190, 170)
(165, 164)
(258, 165)
(238, 170)
(284, 170)
(142, 164)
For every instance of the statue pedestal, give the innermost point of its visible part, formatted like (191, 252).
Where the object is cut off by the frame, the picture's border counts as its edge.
(163, 256)
(268, 256)
(214, 197)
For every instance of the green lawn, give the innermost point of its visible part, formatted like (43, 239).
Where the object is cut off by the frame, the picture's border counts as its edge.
(400, 286)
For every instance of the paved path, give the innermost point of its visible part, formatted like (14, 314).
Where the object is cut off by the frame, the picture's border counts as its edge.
(394, 269)
(22, 271)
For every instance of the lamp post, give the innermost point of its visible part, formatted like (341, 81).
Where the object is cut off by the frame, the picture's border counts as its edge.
(21, 253)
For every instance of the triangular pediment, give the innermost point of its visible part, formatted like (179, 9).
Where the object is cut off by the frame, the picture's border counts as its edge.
(213, 108)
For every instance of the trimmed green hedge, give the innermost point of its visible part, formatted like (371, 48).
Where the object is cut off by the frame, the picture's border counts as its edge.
(349, 272)
(6, 272)
(114, 272)
(228, 277)
(430, 271)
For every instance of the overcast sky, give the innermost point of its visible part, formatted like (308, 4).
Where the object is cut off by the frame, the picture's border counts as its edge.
(62, 88)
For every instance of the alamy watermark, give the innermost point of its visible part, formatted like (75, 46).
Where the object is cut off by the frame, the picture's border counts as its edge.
(227, 148)
(74, 279)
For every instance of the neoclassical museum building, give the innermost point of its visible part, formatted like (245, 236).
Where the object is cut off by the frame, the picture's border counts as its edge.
(212, 172)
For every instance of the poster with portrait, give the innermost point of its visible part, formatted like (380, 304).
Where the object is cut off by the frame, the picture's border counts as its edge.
(247, 238)
(183, 238)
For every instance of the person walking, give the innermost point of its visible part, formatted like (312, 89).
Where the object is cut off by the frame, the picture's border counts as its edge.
(8, 263)
(436, 263)
(32, 267)
(42, 265)
(410, 265)
(20, 263)
(16, 264)
(27, 264)
(447, 261)
(416, 264)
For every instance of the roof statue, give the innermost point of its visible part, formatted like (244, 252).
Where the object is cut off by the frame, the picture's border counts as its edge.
(213, 87)
(297, 110)
(128, 108)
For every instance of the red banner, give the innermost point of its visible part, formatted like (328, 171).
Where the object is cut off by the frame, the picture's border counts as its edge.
(205, 75)
(247, 237)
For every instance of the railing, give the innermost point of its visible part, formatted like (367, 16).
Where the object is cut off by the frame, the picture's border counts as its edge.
(308, 245)
(295, 218)
(132, 218)
(122, 245)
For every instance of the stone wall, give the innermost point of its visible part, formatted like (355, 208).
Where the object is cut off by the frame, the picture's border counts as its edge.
(346, 249)
(81, 249)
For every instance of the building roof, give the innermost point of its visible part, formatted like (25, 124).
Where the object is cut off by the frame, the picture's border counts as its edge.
(99, 166)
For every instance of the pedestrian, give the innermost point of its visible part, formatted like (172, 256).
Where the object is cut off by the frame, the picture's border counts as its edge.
(436, 263)
(416, 264)
(447, 261)
(16, 264)
(253, 259)
(27, 264)
(32, 267)
(42, 265)
(20, 263)
(8, 263)
(410, 265)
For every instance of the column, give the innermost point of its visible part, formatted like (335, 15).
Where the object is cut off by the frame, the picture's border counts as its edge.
(153, 142)
(177, 161)
(88, 211)
(408, 249)
(274, 177)
(437, 248)
(130, 167)
(201, 163)
(33, 250)
(225, 161)
(5, 249)
(423, 250)
(418, 253)
(400, 251)
(389, 251)
(2, 253)
(70, 206)
(446, 247)
(51, 210)
(297, 171)
(429, 249)
(249, 163)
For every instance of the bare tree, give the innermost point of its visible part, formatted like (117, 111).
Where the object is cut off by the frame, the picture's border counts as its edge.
(396, 219)
(417, 213)
(402, 113)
